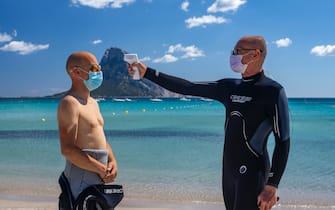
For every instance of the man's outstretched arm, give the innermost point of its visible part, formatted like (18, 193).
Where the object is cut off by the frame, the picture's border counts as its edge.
(176, 84)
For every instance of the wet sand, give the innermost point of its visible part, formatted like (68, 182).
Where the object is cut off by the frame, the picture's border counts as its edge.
(10, 202)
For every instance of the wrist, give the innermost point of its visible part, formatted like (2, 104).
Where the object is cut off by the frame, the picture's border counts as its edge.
(101, 170)
(272, 185)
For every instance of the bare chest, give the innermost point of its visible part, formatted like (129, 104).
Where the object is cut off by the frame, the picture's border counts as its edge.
(90, 117)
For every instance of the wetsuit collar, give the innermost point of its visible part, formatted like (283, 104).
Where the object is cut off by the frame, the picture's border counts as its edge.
(254, 77)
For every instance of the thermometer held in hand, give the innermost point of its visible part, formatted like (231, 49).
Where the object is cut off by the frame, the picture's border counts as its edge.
(132, 58)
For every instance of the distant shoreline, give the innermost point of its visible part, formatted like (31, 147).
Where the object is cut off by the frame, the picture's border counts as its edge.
(146, 97)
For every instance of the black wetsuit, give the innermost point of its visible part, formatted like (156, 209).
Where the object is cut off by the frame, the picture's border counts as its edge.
(255, 107)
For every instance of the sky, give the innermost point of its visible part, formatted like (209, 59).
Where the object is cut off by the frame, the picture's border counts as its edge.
(191, 39)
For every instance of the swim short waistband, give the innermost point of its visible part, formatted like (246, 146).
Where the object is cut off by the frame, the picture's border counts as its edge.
(79, 179)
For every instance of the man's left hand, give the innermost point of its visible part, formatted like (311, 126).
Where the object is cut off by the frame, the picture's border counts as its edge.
(268, 198)
(111, 172)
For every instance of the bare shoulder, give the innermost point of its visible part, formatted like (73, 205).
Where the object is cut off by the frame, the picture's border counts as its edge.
(68, 104)
(93, 101)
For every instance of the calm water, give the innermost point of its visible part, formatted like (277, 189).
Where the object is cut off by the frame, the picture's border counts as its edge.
(169, 150)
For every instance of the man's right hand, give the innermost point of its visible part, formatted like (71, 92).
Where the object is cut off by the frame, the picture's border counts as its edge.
(102, 172)
(142, 68)
(268, 198)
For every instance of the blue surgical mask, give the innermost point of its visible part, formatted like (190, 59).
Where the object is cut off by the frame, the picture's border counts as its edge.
(94, 80)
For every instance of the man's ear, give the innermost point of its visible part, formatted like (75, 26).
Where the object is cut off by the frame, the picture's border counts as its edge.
(258, 53)
(75, 73)
(75, 70)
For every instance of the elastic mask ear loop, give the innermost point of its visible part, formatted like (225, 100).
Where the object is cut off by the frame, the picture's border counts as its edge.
(79, 75)
(253, 60)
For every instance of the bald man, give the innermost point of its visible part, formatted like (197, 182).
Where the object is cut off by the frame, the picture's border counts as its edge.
(89, 157)
(255, 106)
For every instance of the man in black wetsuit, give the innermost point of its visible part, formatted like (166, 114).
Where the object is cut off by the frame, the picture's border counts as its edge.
(255, 106)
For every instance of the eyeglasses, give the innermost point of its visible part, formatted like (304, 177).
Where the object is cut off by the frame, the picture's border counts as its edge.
(238, 50)
(93, 68)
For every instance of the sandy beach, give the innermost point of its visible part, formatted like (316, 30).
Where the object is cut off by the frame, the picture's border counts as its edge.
(14, 202)
(15, 205)
(34, 203)
(27, 195)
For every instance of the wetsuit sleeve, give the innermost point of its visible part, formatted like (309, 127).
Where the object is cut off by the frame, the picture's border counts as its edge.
(182, 86)
(282, 139)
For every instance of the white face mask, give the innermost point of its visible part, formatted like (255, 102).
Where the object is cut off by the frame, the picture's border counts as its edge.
(237, 65)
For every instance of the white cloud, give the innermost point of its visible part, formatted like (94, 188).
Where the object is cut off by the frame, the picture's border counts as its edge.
(119, 3)
(323, 50)
(146, 58)
(100, 4)
(98, 41)
(173, 48)
(189, 51)
(184, 6)
(225, 5)
(202, 21)
(283, 42)
(23, 48)
(168, 58)
(4, 37)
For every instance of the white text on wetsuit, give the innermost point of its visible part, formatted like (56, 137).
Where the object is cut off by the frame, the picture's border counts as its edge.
(240, 99)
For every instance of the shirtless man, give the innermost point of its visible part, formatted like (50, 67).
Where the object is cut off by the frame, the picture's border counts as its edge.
(89, 157)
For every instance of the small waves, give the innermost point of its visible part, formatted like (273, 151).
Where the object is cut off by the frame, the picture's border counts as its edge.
(304, 206)
(35, 134)
(160, 133)
(53, 134)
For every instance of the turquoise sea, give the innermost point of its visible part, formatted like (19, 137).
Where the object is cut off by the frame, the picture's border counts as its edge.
(169, 150)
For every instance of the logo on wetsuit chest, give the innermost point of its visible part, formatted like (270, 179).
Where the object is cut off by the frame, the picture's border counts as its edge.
(112, 191)
(240, 99)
